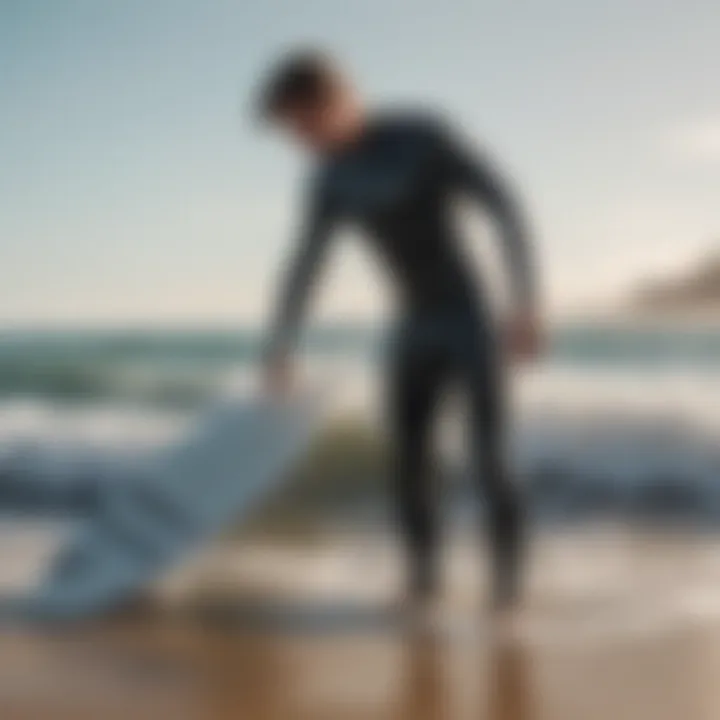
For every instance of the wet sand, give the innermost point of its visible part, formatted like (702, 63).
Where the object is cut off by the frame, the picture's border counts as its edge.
(617, 626)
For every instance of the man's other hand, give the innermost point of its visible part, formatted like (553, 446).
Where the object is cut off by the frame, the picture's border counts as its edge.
(524, 337)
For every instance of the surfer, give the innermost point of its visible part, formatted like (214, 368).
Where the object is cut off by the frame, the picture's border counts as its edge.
(394, 175)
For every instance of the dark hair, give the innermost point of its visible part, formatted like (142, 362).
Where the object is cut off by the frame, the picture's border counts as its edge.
(301, 78)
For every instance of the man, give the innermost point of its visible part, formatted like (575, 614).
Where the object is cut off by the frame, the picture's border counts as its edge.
(394, 176)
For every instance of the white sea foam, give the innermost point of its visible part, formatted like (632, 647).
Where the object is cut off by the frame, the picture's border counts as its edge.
(635, 421)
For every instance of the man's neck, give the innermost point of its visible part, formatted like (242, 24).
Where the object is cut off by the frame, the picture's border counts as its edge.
(351, 131)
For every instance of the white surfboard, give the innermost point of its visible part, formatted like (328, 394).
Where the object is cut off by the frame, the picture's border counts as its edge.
(230, 464)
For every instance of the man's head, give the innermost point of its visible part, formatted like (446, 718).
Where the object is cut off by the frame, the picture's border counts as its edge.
(307, 95)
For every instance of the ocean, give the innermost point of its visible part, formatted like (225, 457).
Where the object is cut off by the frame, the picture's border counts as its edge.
(178, 368)
(612, 412)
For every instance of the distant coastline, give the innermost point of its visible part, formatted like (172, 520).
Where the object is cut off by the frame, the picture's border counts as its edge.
(693, 294)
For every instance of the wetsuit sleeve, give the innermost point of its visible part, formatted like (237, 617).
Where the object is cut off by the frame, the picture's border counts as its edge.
(300, 274)
(476, 175)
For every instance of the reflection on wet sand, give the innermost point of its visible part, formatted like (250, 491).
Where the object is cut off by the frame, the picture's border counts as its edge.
(149, 669)
(424, 691)
(429, 686)
(509, 694)
(176, 668)
(615, 643)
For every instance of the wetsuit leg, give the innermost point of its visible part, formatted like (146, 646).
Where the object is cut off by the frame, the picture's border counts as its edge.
(481, 376)
(416, 379)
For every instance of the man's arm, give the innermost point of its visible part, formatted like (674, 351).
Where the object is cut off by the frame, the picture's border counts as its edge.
(475, 175)
(298, 282)
(471, 173)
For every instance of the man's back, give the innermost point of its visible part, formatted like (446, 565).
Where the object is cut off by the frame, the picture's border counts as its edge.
(396, 183)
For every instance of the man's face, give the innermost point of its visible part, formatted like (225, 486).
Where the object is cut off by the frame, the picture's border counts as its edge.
(312, 126)
(322, 127)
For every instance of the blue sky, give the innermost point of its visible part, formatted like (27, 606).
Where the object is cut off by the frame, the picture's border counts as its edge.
(134, 188)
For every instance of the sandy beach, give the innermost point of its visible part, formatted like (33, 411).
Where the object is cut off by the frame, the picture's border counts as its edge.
(619, 624)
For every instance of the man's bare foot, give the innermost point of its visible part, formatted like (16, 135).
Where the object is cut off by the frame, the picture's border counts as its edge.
(419, 606)
(419, 615)
(507, 596)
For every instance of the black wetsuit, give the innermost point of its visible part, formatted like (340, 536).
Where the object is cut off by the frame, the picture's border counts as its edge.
(397, 183)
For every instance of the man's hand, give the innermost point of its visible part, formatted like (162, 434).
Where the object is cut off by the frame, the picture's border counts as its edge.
(524, 337)
(279, 375)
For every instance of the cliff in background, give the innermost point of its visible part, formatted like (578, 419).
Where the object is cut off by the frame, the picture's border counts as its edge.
(698, 289)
